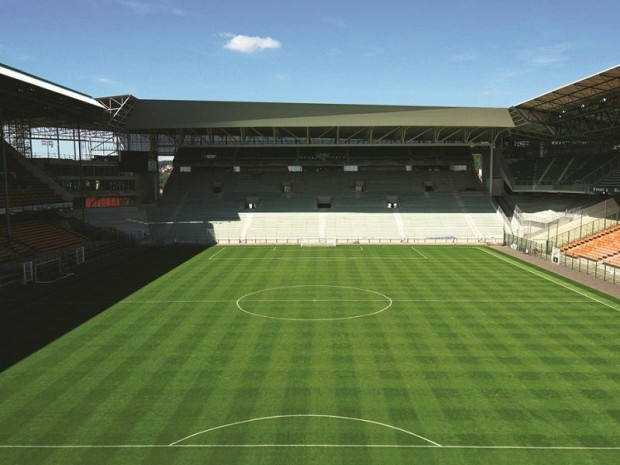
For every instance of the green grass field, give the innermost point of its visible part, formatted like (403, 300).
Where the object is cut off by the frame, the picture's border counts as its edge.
(357, 355)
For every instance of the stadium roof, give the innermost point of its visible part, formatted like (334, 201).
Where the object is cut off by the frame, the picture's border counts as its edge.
(584, 109)
(40, 102)
(163, 115)
(379, 123)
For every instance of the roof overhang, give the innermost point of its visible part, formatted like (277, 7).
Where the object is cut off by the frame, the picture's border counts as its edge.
(242, 123)
(162, 115)
(588, 108)
(24, 97)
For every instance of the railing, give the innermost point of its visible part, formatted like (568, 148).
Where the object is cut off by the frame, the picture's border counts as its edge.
(584, 230)
(592, 268)
(553, 228)
(585, 184)
(544, 251)
(186, 240)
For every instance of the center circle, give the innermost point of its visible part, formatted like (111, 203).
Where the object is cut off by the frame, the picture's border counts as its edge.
(313, 302)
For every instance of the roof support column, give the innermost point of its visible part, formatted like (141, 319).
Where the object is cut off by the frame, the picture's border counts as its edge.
(81, 167)
(7, 212)
(370, 134)
(494, 136)
(490, 179)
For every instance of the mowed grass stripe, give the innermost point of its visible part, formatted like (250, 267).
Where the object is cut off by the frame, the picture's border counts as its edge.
(458, 358)
(67, 366)
(603, 299)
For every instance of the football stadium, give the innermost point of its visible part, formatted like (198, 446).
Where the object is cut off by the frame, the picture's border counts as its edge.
(244, 282)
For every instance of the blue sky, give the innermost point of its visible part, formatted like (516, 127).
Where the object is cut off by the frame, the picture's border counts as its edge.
(492, 53)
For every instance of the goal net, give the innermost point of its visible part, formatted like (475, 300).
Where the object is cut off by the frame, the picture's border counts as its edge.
(49, 271)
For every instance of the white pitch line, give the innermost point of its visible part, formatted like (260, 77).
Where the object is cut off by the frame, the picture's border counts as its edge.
(216, 253)
(474, 301)
(301, 259)
(548, 278)
(175, 301)
(245, 297)
(310, 415)
(497, 301)
(334, 446)
(322, 259)
(421, 254)
(313, 300)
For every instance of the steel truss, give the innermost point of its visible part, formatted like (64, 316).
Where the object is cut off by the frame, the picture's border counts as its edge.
(167, 144)
(94, 143)
(585, 110)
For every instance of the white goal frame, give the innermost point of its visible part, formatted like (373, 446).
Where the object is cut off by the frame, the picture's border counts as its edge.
(56, 273)
(28, 272)
(79, 255)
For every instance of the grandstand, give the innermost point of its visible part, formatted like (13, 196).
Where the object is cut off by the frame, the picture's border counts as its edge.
(351, 349)
(249, 173)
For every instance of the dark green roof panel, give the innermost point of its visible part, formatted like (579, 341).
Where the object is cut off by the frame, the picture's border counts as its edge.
(169, 114)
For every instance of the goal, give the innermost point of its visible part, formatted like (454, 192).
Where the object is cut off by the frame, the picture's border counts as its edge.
(49, 271)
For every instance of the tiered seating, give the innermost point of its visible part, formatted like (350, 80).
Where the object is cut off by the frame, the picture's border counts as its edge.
(34, 235)
(612, 179)
(528, 172)
(25, 189)
(583, 167)
(600, 246)
(271, 226)
(454, 207)
(555, 171)
(12, 250)
(613, 261)
(566, 172)
(363, 226)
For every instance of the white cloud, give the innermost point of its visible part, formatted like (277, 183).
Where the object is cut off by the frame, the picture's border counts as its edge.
(247, 44)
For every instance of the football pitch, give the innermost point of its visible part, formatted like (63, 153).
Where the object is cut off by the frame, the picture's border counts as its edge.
(327, 355)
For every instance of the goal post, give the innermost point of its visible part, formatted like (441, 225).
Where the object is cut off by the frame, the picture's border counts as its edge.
(49, 271)
(79, 255)
(28, 272)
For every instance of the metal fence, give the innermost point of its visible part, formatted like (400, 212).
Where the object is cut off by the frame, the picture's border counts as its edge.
(544, 251)
(187, 240)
